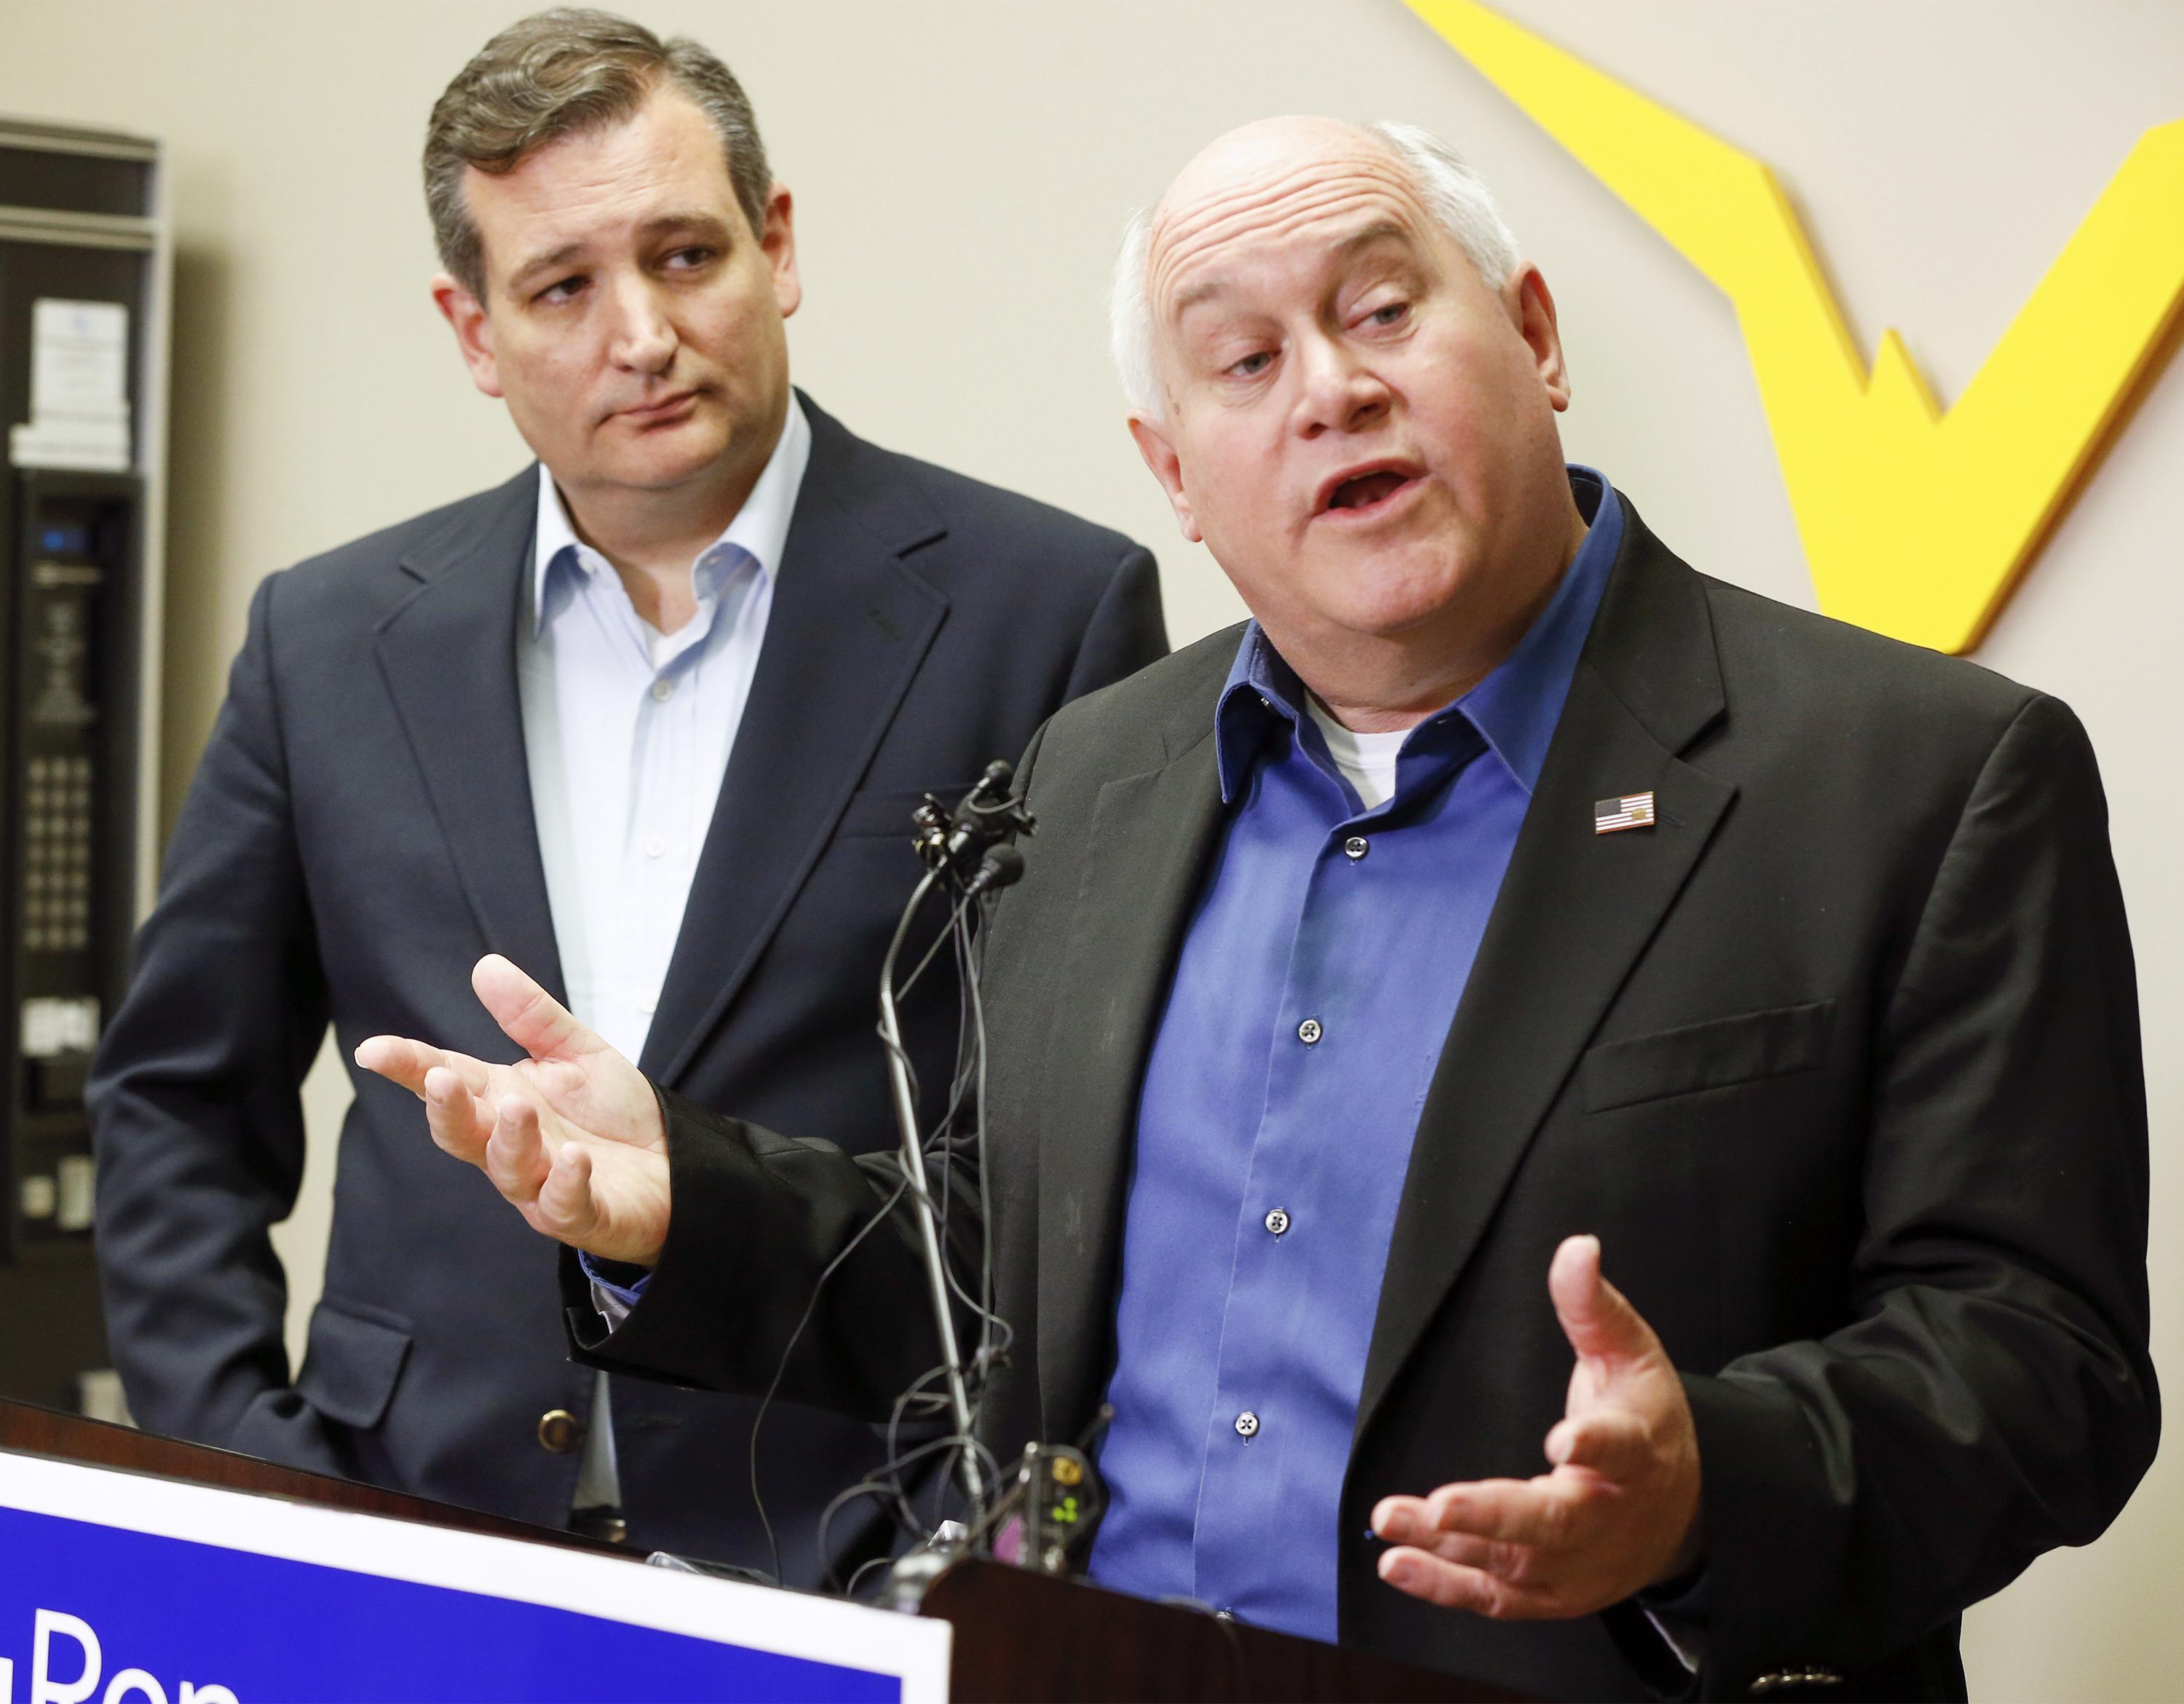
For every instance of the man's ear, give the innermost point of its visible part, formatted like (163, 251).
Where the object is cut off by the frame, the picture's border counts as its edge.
(1531, 306)
(1159, 451)
(779, 242)
(473, 331)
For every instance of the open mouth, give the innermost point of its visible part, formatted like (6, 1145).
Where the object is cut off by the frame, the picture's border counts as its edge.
(1371, 490)
(1365, 491)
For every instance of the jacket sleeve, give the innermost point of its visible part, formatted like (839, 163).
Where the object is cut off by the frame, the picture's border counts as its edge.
(1127, 630)
(196, 1119)
(1993, 1397)
(788, 1266)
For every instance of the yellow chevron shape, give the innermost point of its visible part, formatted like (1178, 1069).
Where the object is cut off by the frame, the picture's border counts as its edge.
(1915, 523)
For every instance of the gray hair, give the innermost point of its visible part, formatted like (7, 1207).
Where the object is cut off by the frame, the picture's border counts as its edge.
(1455, 194)
(556, 73)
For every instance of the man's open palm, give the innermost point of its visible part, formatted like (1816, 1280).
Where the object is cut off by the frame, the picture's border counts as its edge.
(1619, 1510)
(571, 1134)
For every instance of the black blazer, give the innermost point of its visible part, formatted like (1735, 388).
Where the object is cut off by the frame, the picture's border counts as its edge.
(1840, 1060)
(360, 829)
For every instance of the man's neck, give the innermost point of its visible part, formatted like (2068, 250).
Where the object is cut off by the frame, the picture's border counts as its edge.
(1380, 684)
(652, 537)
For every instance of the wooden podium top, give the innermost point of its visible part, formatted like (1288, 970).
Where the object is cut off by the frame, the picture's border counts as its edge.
(71, 1438)
(1017, 1635)
(1021, 1635)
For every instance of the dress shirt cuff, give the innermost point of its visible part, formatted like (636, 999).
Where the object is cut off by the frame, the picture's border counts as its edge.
(1678, 1611)
(616, 1287)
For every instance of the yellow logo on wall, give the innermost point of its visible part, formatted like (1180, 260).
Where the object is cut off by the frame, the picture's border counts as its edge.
(1916, 522)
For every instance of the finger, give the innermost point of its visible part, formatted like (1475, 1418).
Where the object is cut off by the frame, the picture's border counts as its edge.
(1404, 1520)
(1455, 1586)
(515, 1157)
(399, 1059)
(403, 1061)
(1594, 1316)
(459, 1120)
(1542, 1511)
(1518, 1564)
(567, 1209)
(1611, 1442)
(527, 1014)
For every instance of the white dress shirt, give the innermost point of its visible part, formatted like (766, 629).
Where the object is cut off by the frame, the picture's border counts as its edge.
(626, 732)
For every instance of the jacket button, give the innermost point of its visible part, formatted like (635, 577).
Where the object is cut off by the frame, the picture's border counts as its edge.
(560, 1432)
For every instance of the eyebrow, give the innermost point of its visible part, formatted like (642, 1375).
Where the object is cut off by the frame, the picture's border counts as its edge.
(711, 225)
(1379, 230)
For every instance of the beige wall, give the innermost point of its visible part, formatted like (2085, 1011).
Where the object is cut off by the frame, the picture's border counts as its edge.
(960, 170)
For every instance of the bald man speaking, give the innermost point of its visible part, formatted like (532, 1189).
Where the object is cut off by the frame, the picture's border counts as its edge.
(1504, 902)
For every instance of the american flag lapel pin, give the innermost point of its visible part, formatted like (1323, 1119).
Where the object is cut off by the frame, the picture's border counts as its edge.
(1631, 811)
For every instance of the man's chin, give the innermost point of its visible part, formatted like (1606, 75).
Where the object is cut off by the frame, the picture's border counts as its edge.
(668, 466)
(1392, 592)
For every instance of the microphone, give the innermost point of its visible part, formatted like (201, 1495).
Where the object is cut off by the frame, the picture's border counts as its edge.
(967, 851)
(952, 842)
(1003, 867)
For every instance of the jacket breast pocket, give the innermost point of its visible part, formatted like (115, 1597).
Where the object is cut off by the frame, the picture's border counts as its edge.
(886, 811)
(353, 1361)
(1713, 1055)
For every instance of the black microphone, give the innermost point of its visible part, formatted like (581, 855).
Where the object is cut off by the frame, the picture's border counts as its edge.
(1002, 867)
(990, 816)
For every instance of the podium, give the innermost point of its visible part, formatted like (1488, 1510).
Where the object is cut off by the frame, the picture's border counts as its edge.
(140, 1570)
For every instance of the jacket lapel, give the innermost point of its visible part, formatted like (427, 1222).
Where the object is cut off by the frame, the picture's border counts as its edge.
(1575, 910)
(1144, 862)
(849, 625)
(449, 657)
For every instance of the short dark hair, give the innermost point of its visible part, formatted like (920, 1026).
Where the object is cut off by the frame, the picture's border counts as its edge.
(555, 73)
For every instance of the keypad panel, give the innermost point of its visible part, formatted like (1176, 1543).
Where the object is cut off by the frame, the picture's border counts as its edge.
(57, 854)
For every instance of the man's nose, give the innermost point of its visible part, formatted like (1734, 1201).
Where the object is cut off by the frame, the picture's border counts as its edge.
(643, 337)
(1340, 392)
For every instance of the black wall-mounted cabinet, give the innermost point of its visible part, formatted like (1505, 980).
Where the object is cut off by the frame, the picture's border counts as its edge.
(79, 223)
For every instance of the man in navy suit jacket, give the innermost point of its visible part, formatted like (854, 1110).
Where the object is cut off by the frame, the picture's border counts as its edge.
(408, 774)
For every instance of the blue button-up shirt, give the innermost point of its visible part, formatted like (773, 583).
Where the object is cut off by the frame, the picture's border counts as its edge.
(1313, 994)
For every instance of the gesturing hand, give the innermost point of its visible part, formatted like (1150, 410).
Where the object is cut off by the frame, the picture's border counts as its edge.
(1619, 1511)
(570, 1135)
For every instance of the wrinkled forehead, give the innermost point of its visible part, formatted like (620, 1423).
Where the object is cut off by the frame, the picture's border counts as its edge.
(1221, 215)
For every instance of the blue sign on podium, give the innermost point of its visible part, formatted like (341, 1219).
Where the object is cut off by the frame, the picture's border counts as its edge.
(120, 1589)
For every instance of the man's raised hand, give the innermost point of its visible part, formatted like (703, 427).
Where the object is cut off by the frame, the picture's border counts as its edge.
(571, 1135)
(1619, 1510)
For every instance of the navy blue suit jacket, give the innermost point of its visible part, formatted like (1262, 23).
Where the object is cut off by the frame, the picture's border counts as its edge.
(360, 830)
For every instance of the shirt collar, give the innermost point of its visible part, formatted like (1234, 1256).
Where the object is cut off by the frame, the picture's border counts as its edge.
(760, 529)
(1515, 708)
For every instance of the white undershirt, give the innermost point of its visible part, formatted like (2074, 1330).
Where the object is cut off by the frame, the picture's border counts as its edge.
(1367, 761)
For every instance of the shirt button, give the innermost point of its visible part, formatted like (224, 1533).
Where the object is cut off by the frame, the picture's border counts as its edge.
(654, 846)
(1247, 1424)
(662, 690)
(1277, 1221)
(1309, 1031)
(1356, 847)
(647, 1007)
